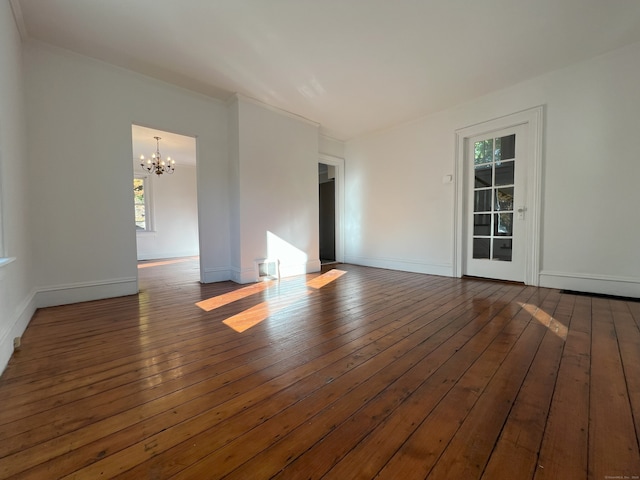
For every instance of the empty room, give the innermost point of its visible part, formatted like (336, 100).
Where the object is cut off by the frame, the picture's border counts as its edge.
(347, 239)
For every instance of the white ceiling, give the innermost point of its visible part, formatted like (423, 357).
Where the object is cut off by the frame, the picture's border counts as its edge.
(353, 66)
(180, 148)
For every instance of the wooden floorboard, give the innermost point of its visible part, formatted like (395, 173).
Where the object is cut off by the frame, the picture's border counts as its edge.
(353, 373)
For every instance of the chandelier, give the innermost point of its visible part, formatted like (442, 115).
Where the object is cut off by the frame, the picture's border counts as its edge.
(156, 164)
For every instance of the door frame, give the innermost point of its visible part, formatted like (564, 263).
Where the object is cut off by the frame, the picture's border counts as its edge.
(338, 163)
(533, 120)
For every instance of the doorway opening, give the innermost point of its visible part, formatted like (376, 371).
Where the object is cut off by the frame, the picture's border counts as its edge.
(166, 204)
(327, 204)
(331, 209)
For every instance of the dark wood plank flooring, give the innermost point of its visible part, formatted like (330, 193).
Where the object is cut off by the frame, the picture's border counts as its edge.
(355, 373)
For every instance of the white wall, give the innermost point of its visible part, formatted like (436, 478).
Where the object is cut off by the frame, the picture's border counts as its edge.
(400, 214)
(277, 181)
(174, 206)
(16, 285)
(331, 146)
(80, 113)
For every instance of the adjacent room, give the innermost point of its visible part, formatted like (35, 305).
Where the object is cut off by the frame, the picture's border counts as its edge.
(340, 239)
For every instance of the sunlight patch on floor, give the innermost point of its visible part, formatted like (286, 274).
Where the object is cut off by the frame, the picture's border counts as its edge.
(325, 278)
(226, 298)
(163, 262)
(545, 319)
(258, 313)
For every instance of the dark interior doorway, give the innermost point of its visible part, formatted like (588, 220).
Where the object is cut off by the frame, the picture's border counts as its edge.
(327, 192)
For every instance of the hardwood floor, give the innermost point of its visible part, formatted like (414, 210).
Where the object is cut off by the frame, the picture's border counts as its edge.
(354, 373)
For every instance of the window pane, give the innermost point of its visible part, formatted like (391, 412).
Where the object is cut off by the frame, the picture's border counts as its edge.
(504, 199)
(481, 248)
(506, 147)
(503, 224)
(483, 151)
(483, 175)
(504, 173)
(139, 204)
(138, 191)
(502, 249)
(482, 200)
(141, 223)
(482, 224)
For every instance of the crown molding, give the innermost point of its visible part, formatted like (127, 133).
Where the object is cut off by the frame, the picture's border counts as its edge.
(239, 97)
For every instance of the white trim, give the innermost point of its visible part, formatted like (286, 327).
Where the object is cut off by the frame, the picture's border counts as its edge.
(215, 274)
(240, 97)
(16, 326)
(338, 163)
(590, 283)
(86, 291)
(533, 118)
(414, 266)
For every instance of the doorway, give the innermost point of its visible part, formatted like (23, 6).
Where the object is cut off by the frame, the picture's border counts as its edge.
(327, 211)
(331, 209)
(166, 212)
(498, 194)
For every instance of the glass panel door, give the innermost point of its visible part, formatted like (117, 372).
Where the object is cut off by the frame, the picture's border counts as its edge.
(495, 186)
(494, 176)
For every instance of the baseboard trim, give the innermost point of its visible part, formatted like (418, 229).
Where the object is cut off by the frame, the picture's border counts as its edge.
(216, 274)
(250, 274)
(85, 291)
(163, 256)
(414, 266)
(17, 325)
(589, 283)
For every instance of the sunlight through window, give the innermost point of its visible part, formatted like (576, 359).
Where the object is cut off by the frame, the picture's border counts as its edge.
(226, 298)
(325, 278)
(260, 312)
(545, 319)
(163, 262)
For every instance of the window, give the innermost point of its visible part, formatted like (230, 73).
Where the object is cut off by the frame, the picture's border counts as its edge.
(141, 196)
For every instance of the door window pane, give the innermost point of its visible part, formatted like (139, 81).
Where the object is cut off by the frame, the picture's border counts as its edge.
(504, 173)
(481, 248)
(483, 175)
(502, 249)
(504, 199)
(505, 147)
(482, 224)
(503, 224)
(483, 151)
(482, 200)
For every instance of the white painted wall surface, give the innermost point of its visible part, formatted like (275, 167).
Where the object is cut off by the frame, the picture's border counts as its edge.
(331, 146)
(80, 114)
(277, 165)
(174, 205)
(17, 303)
(400, 214)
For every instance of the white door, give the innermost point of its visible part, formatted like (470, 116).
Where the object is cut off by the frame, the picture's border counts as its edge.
(495, 205)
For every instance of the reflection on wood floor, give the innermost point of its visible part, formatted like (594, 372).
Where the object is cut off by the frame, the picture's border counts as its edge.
(352, 373)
